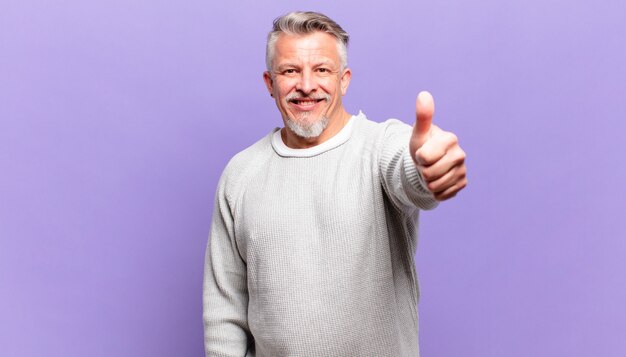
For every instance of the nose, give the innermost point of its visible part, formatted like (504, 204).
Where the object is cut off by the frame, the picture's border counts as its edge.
(306, 82)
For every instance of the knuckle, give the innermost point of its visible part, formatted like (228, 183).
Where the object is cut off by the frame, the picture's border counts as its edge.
(457, 154)
(461, 184)
(422, 157)
(462, 154)
(459, 161)
(451, 137)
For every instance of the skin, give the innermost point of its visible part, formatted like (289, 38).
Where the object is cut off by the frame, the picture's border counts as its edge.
(308, 67)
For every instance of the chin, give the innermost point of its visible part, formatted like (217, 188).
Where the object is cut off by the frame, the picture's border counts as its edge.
(306, 129)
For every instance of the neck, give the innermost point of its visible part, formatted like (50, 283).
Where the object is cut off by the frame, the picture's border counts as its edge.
(297, 142)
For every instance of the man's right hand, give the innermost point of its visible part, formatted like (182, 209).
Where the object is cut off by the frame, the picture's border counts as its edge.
(436, 153)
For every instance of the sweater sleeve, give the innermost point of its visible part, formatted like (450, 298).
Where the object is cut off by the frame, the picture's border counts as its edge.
(225, 292)
(401, 180)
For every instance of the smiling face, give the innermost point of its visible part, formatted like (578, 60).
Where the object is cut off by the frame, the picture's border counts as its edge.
(307, 82)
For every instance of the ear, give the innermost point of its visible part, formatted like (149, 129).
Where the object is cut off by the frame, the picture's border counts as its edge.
(269, 82)
(345, 80)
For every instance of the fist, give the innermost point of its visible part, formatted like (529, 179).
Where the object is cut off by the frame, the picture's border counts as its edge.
(436, 153)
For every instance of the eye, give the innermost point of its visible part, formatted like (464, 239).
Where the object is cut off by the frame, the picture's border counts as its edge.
(323, 70)
(289, 71)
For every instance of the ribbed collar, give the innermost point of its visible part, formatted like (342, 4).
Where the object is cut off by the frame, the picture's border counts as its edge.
(341, 137)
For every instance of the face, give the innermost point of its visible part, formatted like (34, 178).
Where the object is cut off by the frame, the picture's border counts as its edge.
(307, 81)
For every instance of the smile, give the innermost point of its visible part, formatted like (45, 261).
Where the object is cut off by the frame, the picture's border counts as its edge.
(306, 103)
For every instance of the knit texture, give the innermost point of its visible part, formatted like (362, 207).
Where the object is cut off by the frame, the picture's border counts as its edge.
(313, 254)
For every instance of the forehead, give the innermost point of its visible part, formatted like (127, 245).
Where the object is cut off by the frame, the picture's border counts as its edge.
(316, 45)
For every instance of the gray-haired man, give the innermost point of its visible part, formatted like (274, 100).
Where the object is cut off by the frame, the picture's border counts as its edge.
(314, 227)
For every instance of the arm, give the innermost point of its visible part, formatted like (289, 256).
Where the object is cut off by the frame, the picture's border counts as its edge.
(225, 291)
(401, 180)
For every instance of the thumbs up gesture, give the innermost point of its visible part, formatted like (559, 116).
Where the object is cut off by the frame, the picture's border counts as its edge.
(436, 153)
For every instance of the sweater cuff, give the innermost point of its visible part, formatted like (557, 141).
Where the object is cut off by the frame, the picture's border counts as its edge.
(415, 186)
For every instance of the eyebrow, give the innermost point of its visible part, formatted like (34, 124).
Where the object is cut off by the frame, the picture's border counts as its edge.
(296, 65)
(288, 64)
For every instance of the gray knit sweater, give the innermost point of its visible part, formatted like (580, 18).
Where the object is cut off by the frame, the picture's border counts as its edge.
(311, 250)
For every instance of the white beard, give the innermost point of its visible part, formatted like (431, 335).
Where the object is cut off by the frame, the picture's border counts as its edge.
(308, 130)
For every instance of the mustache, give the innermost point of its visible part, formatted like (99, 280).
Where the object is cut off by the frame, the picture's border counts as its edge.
(298, 96)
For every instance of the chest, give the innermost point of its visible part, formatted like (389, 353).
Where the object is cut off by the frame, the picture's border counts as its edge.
(308, 205)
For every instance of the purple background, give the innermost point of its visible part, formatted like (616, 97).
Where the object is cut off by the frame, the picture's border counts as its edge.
(117, 118)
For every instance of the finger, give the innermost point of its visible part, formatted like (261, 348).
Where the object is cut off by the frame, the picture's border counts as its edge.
(436, 147)
(451, 191)
(447, 196)
(447, 180)
(454, 157)
(424, 110)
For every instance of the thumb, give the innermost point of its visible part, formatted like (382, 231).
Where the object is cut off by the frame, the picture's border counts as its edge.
(424, 110)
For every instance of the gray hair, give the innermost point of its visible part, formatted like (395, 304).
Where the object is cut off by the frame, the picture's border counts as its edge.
(301, 23)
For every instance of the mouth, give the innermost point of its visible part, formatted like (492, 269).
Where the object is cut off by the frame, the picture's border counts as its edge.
(306, 102)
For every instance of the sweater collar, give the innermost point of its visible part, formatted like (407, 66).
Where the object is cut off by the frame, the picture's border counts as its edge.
(337, 140)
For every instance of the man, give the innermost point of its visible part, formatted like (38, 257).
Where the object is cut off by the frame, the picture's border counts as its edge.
(314, 228)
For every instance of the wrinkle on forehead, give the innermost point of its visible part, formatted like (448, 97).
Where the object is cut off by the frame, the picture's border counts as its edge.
(316, 48)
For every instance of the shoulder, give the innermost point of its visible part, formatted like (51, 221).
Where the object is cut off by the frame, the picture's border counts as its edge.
(379, 132)
(241, 168)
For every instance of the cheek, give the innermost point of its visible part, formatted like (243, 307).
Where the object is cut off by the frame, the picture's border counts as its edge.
(331, 85)
(284, 89)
